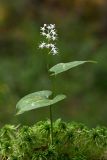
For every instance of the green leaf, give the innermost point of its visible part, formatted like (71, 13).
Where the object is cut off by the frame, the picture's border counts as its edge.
(62, 67)
(37, 100)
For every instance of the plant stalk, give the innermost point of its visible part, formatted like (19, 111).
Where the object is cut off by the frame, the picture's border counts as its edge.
(50, 107)
(51, 127)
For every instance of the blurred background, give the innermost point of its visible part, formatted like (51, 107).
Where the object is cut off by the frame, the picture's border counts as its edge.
(82, 30)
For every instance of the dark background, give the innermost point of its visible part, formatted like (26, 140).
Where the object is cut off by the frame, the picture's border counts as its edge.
(82, 30)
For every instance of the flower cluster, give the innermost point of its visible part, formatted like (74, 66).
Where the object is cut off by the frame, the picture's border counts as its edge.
(49, 32)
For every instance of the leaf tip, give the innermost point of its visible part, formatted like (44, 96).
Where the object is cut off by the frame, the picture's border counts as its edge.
(92, 61)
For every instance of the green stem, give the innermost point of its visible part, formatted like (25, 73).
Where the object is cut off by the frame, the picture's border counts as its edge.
(51, 120)
(50, 108)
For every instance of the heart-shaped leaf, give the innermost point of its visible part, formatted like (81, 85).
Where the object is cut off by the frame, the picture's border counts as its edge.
(37, 100)
(62, 67)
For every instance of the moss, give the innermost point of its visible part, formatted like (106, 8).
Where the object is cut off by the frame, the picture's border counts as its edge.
(72, 141)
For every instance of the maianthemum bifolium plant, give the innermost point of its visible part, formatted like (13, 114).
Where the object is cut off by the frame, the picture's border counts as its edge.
(46, 97)
(48, 140)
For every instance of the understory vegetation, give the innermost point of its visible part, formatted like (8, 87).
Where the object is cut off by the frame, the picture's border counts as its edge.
(71, 141)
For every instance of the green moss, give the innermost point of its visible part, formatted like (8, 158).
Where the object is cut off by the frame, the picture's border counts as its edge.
(72, 141)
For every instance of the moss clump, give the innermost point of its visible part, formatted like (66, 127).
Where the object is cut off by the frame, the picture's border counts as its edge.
(71, 141)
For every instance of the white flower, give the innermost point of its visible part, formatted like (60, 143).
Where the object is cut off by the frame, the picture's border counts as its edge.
(54, 51)
(53, 32)
(52, 45)
(43, 33)
(49, 27)
(48, 36)
(42, 45)
(53, 38)
(52, 26)
(49, 32)
(43, 29)
(47, 45)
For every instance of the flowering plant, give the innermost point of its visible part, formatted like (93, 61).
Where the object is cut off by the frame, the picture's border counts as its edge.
(42, 98)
